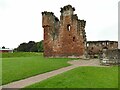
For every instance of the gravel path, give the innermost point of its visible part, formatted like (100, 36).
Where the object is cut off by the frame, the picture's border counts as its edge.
(34, 79)
(92, 62)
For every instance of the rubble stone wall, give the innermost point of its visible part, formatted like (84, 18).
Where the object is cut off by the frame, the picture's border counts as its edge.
(95, 47)
(65, 37)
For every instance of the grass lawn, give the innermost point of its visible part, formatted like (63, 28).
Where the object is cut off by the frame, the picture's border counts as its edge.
(16, 66)
(20, 54)
(82, 77)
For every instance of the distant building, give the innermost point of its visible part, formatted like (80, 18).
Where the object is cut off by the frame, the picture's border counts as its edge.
(2, 50)
(95, 47)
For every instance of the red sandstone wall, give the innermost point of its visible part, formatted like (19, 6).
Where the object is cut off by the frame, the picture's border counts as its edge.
(61, 41)
(96, 46)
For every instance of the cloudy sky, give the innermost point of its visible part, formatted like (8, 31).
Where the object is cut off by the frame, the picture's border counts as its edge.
(21, 20)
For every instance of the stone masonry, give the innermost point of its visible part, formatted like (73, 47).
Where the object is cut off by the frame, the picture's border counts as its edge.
(95, 47)
(65, 37)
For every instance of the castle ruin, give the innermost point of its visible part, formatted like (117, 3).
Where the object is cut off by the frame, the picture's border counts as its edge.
(65, 37)
(95, 47)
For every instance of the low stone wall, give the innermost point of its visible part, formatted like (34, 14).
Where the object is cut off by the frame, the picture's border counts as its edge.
(113, 56)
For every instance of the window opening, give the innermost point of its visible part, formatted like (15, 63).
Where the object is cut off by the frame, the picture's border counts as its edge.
(68, 27)
(73, 38)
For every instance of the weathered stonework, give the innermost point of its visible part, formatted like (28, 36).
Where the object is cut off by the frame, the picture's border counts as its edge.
(95, 47)
(64, 38)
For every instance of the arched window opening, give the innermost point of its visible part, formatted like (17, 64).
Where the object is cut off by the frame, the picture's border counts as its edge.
(68, 27)
(87, 44)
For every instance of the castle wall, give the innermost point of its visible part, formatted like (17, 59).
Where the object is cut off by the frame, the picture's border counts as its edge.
(67, 37)
(64, 38)
(95, 47)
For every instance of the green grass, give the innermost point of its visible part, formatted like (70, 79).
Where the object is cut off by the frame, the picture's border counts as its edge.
(18, 67)
(20, 54)
(82, 77)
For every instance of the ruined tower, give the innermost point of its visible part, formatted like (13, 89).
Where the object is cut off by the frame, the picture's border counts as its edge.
(64, 38)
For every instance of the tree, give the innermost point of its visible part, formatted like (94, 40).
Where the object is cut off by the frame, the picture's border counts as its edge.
(3, 47)
(34, 48)
(30, 44)
(40, 46)
(15, 50)
(22, 47)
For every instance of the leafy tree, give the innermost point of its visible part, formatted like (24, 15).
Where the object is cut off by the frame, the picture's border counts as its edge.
(31, 46)
(3, 47)
(34, 48)
(40, 46)
(22, 47)
(15, 50)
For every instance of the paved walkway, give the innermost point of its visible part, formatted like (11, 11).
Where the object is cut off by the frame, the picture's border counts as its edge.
(29, 81)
